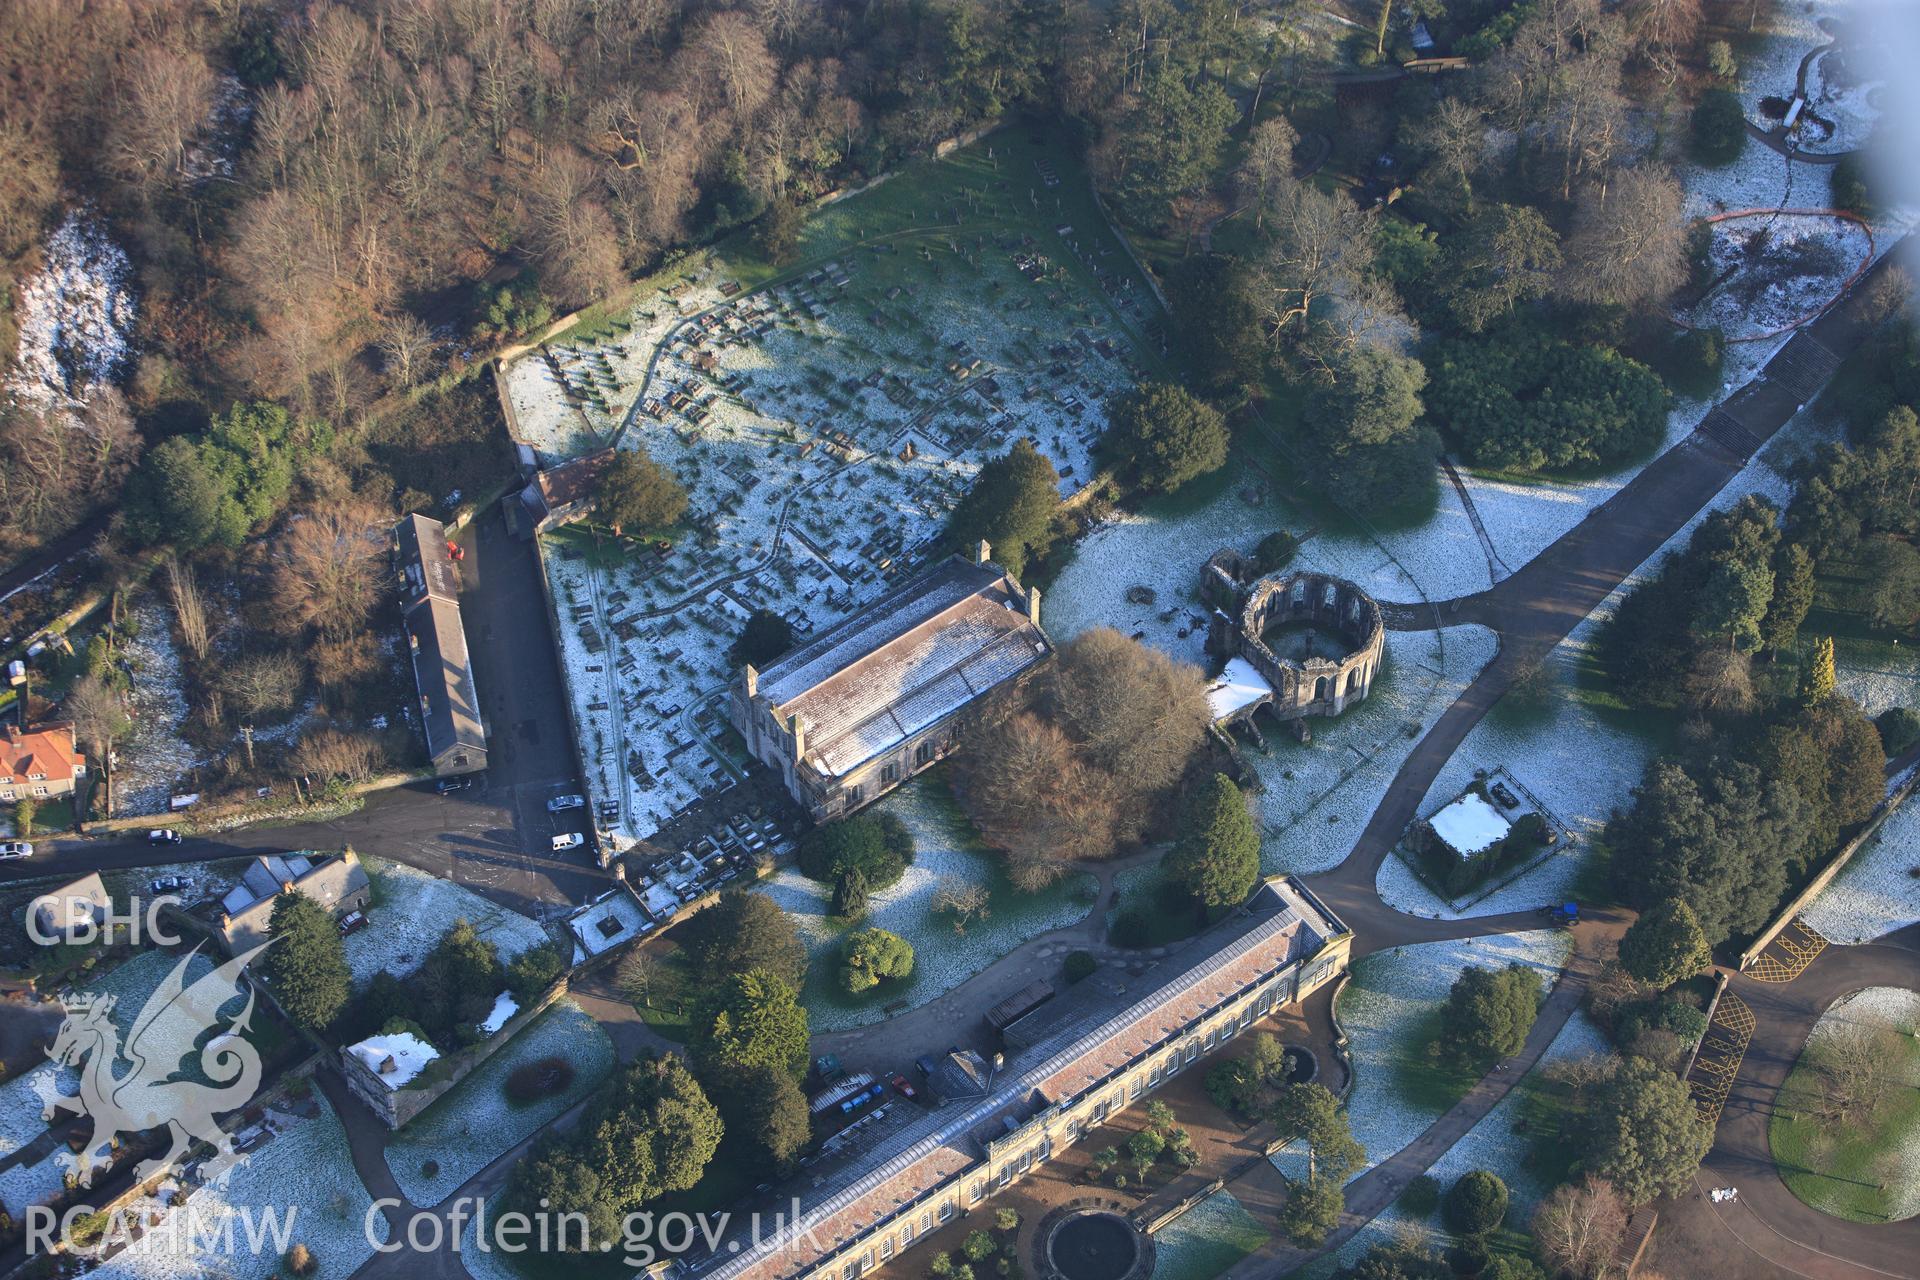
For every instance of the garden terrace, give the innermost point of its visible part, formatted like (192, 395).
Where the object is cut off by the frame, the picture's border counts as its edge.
(1101, 1053)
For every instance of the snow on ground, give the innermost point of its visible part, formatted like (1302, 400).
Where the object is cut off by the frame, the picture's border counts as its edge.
(412, 909)
(1844, 93)
(1391, 998)
(34, 1181)
(129, 984)
(1777, 269)
(1878, 677)
(827, 428)
(1166, 552)
(1878, 891)
(304, 1173)
(1317, 796)
(945, 847)
(474, 1123)
(154, 757)
(1206, 1240)
(75, 314)
(1492, 1145)
(1581, 763)
(609, 921)
(1896, 1009)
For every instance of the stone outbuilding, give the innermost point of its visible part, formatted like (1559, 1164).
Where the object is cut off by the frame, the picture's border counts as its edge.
(1332, 643)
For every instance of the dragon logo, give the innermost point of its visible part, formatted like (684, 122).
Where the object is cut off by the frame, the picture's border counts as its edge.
(143, 1085)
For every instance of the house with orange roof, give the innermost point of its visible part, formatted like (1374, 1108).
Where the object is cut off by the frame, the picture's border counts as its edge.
(40, 764)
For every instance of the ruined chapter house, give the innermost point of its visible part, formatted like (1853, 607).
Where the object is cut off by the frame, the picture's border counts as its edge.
(867, 704)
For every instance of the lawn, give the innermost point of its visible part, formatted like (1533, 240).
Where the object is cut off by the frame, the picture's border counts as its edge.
(474, 1123)
(1865, 1171)
(945, 846)
(1206, 1240)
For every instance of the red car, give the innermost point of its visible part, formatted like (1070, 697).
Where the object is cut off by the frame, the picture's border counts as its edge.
(899, 1082)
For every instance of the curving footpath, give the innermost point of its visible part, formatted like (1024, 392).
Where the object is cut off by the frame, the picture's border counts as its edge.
(1768, 1222)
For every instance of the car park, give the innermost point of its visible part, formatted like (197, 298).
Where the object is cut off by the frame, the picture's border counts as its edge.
(568, 840)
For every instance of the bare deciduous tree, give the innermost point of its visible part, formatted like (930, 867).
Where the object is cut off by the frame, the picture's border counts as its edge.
(964, 900)
(1136, 714)
(1629, 240)
(1857, 1066)
(1579, 1227)
(329, 753)
(189, 611)
(1662, 31)
(1455, 136)
(323, 568)
(166, 97)
(97, 714)
(1266, 175)
(262, 682)
(1323, 247)
(635, 974)
(407, 345)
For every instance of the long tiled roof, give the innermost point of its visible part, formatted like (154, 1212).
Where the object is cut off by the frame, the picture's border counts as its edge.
(914, 656)
(1288, 926)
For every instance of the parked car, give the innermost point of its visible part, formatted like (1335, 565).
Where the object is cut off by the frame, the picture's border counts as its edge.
(926, 1064)
(15, 849)
(899, 1082)
(559, 803)
(568, 840)
(352, 922)
(167, 884)
(163, 837)
(447, 786)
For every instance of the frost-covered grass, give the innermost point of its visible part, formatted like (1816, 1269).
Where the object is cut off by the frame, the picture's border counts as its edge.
(75, 314)
(1776, 270)
(304, 1174)
(34, 1181)
(836, 417)
(1867, 1170)
(1878, 891)
(412, 909)
(474, 1123)
(1318, 796)
(1206, 1240)
(1391, 1011)
(945, 846)
(154, 757)
(1494, 1144)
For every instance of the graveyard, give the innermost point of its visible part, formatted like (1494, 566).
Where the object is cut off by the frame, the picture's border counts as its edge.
(824, 418)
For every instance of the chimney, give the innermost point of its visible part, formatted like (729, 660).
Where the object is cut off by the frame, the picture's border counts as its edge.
(983, 552)
(752, 679)
(1033, 605)
(388, 1066)
(799, 729)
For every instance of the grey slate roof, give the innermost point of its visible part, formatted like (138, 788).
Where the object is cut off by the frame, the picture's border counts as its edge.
(442, 671)
(914, 656)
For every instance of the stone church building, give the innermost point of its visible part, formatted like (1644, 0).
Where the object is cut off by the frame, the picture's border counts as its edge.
(865, 705)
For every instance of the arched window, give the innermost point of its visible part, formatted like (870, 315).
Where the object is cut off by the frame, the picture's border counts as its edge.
(1320, 689)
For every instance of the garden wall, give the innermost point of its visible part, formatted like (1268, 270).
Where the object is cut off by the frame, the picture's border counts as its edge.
(395, 1107)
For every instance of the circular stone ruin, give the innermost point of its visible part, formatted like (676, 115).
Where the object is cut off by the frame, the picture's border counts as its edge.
(1316, 638)
(1097, 1244)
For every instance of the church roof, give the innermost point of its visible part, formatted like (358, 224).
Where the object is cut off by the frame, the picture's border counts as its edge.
(913, 657)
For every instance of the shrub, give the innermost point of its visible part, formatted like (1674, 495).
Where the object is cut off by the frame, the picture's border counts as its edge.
(1477, 1203)
(1233, 1085)
(1080, 965)
(978, 1246)
(1005, 1219)
(1469, 1257)
(1847, 184)
(878, 845)
(534, 970)
(541, 1078)
(1719, 129)
(1899, 729)
(1421, 1197)
(1720, 60)
(1275, 551)
(871, 956)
